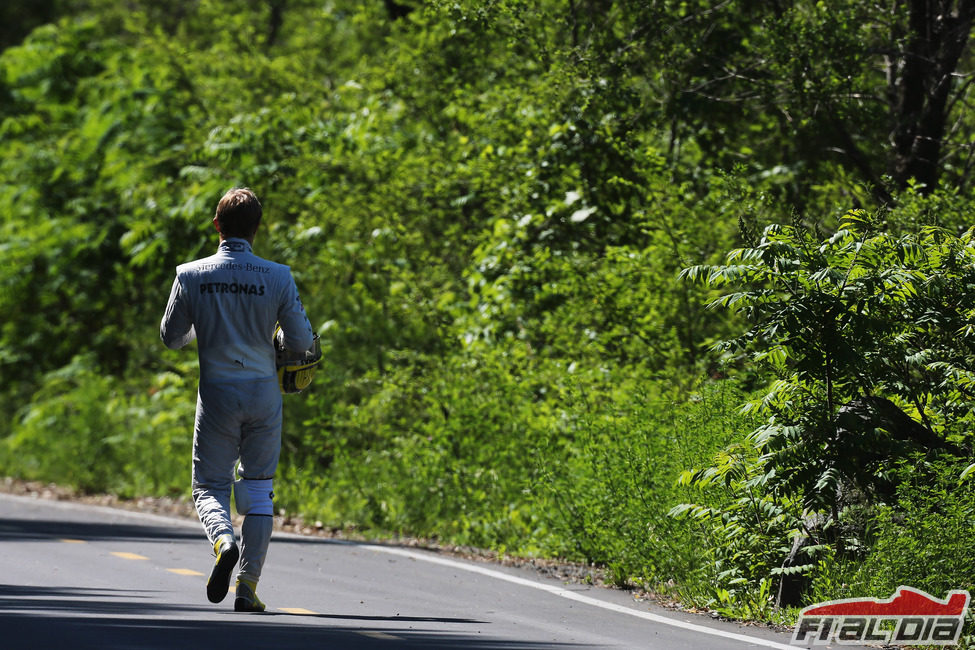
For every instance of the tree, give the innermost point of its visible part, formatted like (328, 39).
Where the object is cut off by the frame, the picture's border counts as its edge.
(809, 89)
(17, 19)
(924, 86)
(869, 337)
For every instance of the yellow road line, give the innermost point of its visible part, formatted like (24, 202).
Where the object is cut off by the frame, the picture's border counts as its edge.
(185, 572)
(297, 610)
(72, 541)
(379, 635)
(129, 556)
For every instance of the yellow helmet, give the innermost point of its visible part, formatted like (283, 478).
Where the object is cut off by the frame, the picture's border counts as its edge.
(295, 369)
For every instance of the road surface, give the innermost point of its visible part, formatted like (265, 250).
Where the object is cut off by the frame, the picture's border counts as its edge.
(80, 576)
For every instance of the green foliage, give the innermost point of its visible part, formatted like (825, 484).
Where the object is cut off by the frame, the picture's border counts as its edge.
(867, 336)
(446, 454)
(487, 205)
(611, 478)
(93, 432)
(754, 538)
(524, 456)
(17, 19)
(857, 317)
(919, 539)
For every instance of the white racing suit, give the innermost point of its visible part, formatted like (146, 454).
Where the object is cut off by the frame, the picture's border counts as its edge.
(230, 302)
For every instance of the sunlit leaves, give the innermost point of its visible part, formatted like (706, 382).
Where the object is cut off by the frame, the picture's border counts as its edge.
(857, 314)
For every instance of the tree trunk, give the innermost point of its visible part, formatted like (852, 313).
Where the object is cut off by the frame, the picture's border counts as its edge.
(937, 34)
(275, 21)
(397, 10)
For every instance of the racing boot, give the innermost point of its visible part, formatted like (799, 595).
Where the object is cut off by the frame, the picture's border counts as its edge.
(227, 554)
(247, 600)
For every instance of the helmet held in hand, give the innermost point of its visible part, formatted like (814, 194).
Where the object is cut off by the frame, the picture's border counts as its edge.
(295, 369)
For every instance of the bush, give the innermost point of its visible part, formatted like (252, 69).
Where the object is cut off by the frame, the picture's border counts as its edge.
(921, 539)
(444, 453)
(93, 432)
(608, 482)
(869, 338)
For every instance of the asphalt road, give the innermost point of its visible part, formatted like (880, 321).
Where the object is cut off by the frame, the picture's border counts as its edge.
(78, 576)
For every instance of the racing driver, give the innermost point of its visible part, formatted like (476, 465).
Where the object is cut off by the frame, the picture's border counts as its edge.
(231, 303)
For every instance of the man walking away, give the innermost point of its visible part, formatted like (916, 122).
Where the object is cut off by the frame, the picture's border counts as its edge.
(231, 303)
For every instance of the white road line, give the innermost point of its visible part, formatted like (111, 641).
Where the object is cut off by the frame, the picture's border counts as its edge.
(572, 595)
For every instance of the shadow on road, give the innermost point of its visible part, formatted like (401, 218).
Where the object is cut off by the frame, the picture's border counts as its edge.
(62, 631)
(82, 601)
(41, 529)
(81, 618)
(132, 602)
